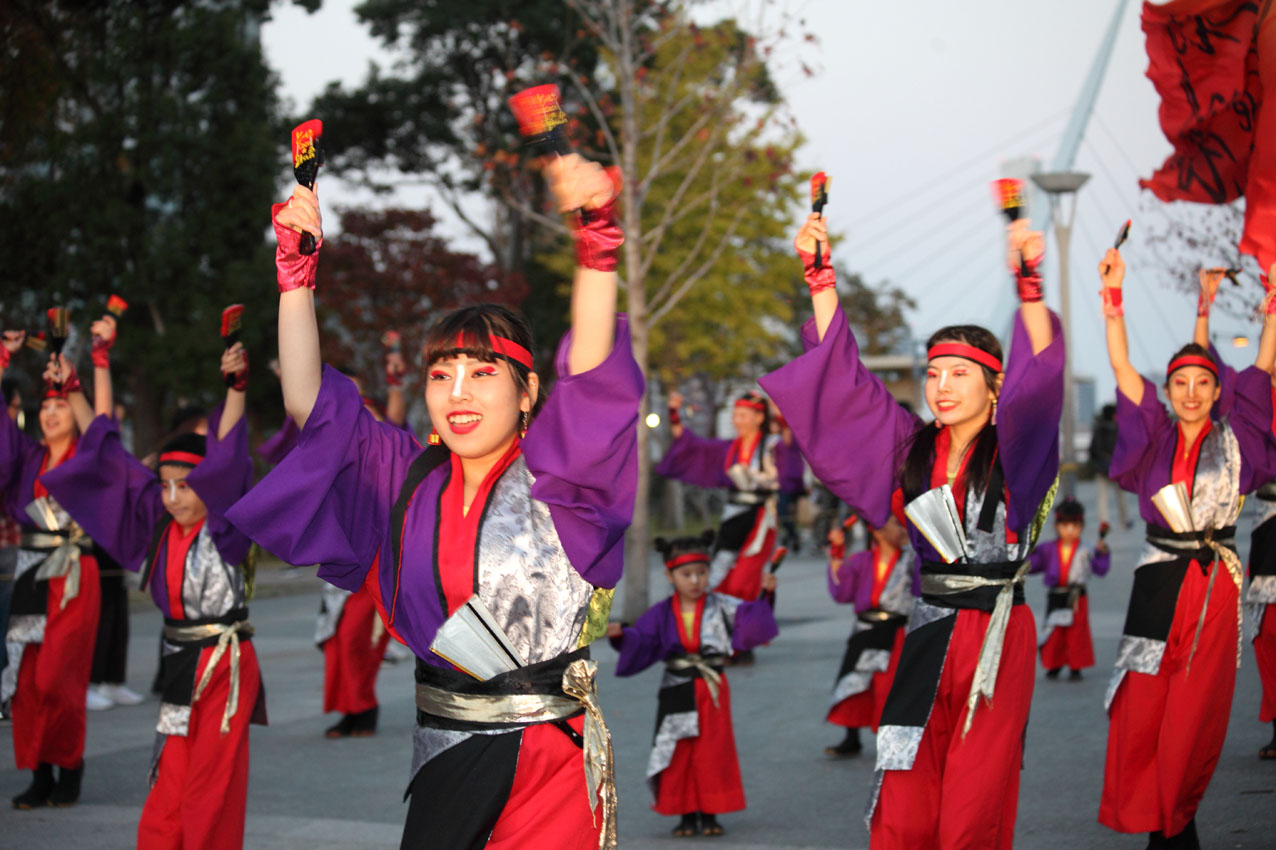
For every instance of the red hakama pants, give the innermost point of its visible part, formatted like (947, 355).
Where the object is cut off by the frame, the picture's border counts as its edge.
(704, 773)
(865, 708)
(351, 659)
(1070, 646)
(963, 793)
(1265, 654)
(547, 805)
(744, 581)
(1165, 732)
(201, 786)
(49, 705)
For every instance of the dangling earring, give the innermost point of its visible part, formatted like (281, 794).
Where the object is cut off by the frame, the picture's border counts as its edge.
(522, 431)
(994, 411)
(434, 439)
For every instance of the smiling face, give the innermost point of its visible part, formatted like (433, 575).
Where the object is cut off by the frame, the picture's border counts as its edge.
(1192, 391)
(746, 420)
(56, 421)
(956, 391)
(690, 581)
(476, 406)
(1069, 530)
(180, 499)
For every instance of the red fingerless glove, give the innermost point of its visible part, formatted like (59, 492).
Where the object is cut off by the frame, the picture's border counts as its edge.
(818, 279)
(837, 551)
(675, 416)
(1112, 306)
(293, 270)
(392, 378)
(1269, 300)
(4, 358)
(101, 352)
(1204, 303)
(71, 383)
(1028, 280)
(598, 238)
(240, 381)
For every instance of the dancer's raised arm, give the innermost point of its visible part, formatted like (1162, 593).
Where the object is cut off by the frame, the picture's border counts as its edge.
(1024, 251)
(821, 280)
(1112, 273)
(300, 366)
(103, 332)
(1266, 358)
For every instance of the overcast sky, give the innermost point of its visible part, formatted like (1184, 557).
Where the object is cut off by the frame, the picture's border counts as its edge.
(912, 109)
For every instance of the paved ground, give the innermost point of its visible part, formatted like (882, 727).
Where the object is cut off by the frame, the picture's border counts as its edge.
(310, 793)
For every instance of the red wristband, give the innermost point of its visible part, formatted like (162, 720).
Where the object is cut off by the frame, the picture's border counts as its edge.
(293, 270)
(4, 358)
(837, 551)
(101, 352)
(1029, 285)
(675, 416)
(392, 378)
(1204, 304)
(1112, 306)
(241, 377)
(598, 238)
(819, 279)
(72, 383)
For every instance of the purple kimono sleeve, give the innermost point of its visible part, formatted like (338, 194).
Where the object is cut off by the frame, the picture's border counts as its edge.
(643, 643)
(1028, 412)
(329, 501)
(582, 451)
(1226, 387)
(754, 624)
(1037, 559)
(790, 466)
(832, 402)
(221, 479)
(1251, 421)
(275, 449)
(113, 497)
(1101, 562)
(844, 584)
(1141, 429)
(17, 450)
(699, 461)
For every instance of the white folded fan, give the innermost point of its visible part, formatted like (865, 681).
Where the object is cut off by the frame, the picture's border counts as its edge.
(1173, 503)
(934, 513)
(473, 642)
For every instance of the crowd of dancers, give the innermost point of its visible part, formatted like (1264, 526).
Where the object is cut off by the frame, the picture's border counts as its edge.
(492, 550)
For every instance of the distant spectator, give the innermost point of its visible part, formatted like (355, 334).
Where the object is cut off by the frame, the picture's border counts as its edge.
(1103, 439)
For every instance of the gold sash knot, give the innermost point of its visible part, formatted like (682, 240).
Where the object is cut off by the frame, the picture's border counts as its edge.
(227, 639)
(695, 661)
(63, 561)
(600, 763)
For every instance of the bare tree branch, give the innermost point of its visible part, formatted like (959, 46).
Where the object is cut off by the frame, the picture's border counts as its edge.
(658, 313)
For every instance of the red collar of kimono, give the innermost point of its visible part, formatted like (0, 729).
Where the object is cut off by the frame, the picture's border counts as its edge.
(880, 576)
(176, 546)
(742, 453)
(458, 529)
(1183, 468)
(690, 642)
(1065, 560)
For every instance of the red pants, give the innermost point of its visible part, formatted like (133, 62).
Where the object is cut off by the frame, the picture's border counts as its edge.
(1070, 646)
(547, 806)
(351, 659)
(744, 581)
(197, 802)
(963, 793)
(865, 708)
(53, 681)
(1265, 655)
(704, 774)
(1165, 732)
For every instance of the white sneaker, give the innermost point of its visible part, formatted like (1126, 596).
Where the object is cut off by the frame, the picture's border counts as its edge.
(122, 695)
(98, 701)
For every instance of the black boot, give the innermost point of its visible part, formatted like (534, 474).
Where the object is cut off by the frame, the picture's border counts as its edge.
(850, 745)
(1156, 840)
(1269, 751)
(1074, 676)
(688, 826)
(364, 724)
(67, 792)
(1185, 840)
(1054, 674)
(709, 825)
(37, 795)
(343, 728)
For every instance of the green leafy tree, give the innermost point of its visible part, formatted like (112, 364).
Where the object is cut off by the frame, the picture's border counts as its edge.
(139, 153)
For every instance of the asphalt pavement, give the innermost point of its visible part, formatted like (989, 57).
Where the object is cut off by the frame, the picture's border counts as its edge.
(309, 793)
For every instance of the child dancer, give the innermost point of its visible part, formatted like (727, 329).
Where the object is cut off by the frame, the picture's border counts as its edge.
(1065, 632)
(171, 525)
(693, 770)
(883, 584)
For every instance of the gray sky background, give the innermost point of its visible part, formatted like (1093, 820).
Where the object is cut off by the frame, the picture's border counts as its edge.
(912, 109)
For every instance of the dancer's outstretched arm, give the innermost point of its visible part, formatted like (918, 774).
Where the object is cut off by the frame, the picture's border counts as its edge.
(300, 366)
(1112, 273)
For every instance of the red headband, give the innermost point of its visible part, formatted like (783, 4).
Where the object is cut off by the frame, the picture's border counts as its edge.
(180, 457)
(1191, 360)
(969, 352)
(507, 348)
(688, 558)
(759, 406)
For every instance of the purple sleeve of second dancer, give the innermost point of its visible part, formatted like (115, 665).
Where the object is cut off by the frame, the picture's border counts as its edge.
(1101, 562)
(1251, 421)
(1141, 428)
(754, 624)
(696, 460)
(844, 584)
(643, 643)
(1037, 559)
(276, 448)
(114, 498)
(582, 451)
(329, 501)
(18, 452)
(831, 401)
(221, 479)
(1028, 412)
(790, 466)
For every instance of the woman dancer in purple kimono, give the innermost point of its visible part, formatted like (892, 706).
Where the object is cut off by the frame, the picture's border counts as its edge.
(948, 752)
(171, 525)
(1170, 698)
(524, 510)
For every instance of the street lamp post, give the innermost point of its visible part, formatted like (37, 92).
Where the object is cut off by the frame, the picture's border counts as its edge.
(1057, 184)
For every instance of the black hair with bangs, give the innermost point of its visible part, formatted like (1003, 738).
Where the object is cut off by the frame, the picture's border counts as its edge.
(476, 325)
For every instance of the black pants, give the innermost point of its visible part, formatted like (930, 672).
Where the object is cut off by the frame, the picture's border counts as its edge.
(110, 651)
